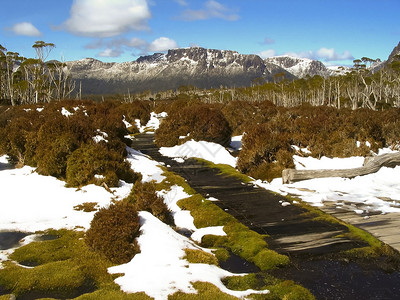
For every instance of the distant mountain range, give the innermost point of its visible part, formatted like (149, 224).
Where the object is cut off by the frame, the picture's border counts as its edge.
(200, 67)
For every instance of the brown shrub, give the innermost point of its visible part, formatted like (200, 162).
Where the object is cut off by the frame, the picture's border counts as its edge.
(18, 135)
(136, 110)
(113, 231)
(240, 114)
(198, 122)
(262, 148)
(98, 159)
(54, 144)
(144, 197)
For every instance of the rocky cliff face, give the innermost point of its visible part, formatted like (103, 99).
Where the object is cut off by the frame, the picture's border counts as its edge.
(395, 52)
(204, 68)
(300, 67)
(375, 67)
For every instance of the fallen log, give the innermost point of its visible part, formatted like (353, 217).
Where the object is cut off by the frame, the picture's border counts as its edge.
(371, 165)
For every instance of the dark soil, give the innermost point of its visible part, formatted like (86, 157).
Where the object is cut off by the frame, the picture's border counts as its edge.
(308, 242)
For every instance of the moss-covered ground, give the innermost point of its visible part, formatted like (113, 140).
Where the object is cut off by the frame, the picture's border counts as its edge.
(65, 267)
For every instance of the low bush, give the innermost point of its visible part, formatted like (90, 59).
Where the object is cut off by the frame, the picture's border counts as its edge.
(18, 129)
(59, 140)
(265, 152)
(200, 122)
(95, 163)
(113, 231)
(144, 197)
(325, 131)
(136, 110)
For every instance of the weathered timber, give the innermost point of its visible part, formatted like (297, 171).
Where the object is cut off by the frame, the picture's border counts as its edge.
(371, 165)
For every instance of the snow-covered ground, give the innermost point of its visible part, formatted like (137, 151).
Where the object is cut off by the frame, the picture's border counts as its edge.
(377, 192)
(167, 272)
(31, 202)
(152, 125)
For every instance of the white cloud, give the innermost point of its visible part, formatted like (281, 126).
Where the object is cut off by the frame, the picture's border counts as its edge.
(107, 18)
(212, 9)
(25, 28)
(323, 54)
(110, 53)
(162, 44)
(331, 55)
(267, 53)
(115, 47)
(302, 54)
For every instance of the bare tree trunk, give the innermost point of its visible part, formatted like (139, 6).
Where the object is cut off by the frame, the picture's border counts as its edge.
(371, 165)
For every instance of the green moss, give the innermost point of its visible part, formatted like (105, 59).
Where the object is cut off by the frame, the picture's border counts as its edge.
(204, 291)
(242, 283)
(360, 234)
(61, 277)
(267, 259)
(200, 257)
(114, 294)
(64, 265)
(221, 254)
(204, 212)
(240, 240)
(288, 290)
(244, 242)
(66, 246)
(174, 179)
(214, 241)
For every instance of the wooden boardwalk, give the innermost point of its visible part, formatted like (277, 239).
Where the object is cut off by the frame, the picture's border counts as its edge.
(385, 227)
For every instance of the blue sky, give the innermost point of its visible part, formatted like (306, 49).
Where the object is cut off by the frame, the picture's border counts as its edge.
(333, 31)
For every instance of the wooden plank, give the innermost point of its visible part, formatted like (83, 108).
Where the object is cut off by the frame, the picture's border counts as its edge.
(385, 227)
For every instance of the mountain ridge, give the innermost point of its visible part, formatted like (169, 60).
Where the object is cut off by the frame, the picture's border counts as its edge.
(200, 67)
(196, 66)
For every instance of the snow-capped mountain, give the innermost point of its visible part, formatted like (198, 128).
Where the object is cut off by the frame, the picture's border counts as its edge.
(338, 70)
(203, 68)
(300, 67)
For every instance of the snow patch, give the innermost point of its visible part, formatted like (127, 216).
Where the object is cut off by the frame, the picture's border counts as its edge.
(100, 137)
(162, 252)
(65, 112)
(311, 163)
(378, 192)
(143, 164)
(205, 150)
(215, 230)
(153, 124)
(31, 202)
